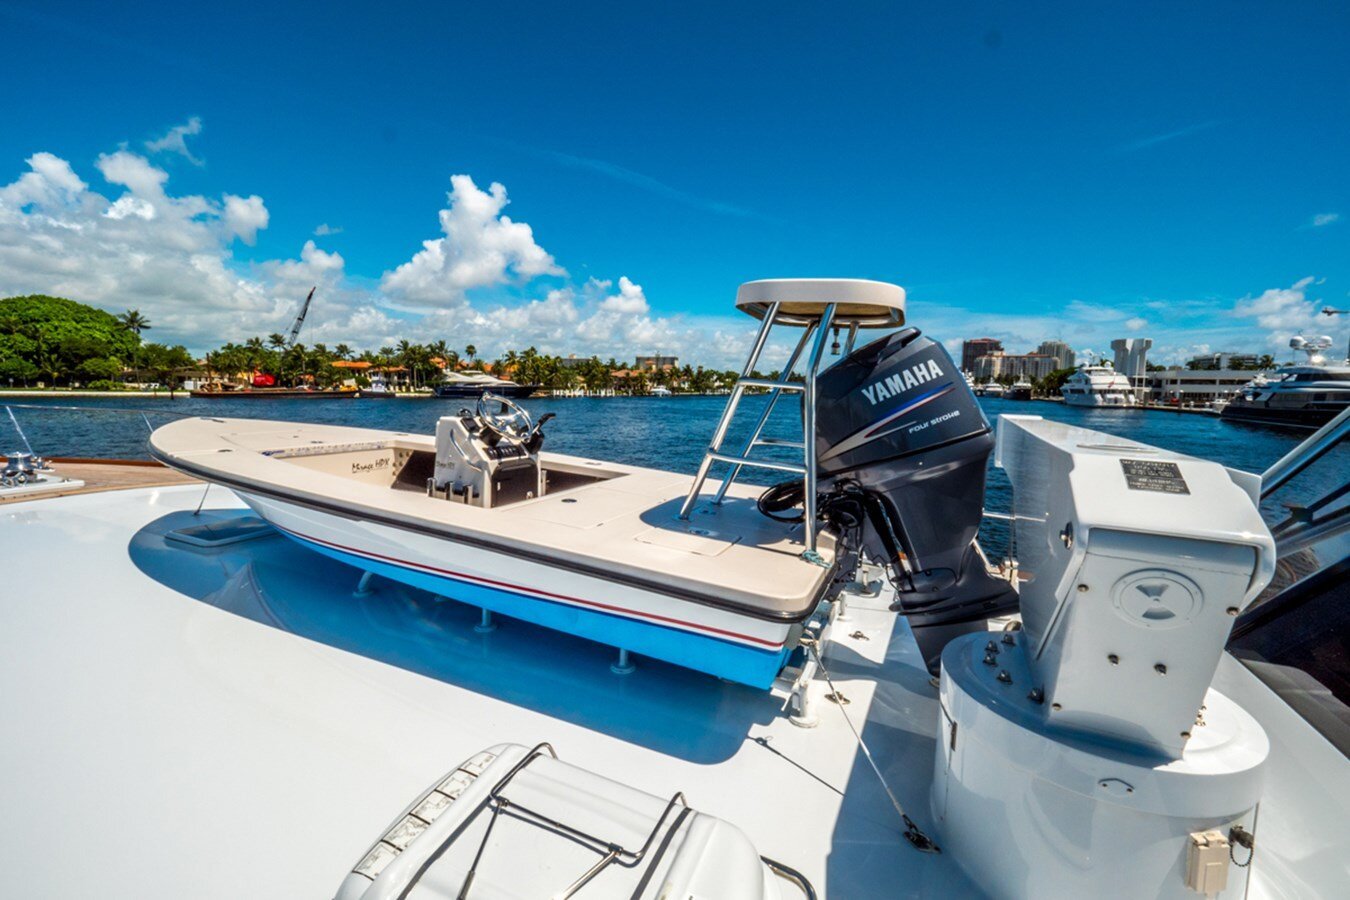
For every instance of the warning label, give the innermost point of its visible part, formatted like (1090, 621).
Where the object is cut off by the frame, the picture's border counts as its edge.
(1152, 475)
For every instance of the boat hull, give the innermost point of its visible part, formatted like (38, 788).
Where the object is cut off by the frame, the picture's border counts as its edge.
(1288, 417)
(1097, 400)
(473, 391)
(717, 641)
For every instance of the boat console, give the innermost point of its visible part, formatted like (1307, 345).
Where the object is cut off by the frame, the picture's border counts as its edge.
(489, 457)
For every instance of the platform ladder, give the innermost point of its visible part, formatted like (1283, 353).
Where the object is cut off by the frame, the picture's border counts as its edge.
(814, 305)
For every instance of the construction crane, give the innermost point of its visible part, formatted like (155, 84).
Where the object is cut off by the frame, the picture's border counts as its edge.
(300, 319)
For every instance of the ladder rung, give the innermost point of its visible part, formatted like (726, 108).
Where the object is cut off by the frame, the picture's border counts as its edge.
(759, 463)
(779, 442)
(770, 383)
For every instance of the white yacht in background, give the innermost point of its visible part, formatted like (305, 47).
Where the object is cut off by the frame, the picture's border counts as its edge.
(1098, 385)
(989, 389)
(471, 384)
(371, 665)
(1306, 395)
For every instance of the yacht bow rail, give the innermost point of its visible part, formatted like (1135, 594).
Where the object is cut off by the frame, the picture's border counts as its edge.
(1312, 522)
(1305, 454)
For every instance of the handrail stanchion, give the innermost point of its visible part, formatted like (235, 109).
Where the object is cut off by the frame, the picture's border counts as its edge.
(1306, 453)
(809, 429)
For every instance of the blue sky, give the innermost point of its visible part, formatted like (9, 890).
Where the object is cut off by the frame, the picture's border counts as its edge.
(1026, 170)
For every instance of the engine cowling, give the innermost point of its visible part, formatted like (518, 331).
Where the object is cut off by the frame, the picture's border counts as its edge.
(897, 422)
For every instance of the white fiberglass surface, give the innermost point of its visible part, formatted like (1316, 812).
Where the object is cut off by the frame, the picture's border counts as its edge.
(230, 722)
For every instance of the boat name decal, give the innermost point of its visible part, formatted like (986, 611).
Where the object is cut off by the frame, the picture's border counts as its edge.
(360, 468)
(891, 385)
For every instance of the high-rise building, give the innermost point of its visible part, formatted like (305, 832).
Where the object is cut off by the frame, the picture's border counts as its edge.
(994, 366)
(1131, 356)
(974, 348)
(1061, 352)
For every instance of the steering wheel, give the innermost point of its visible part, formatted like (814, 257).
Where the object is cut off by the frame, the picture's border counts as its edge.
(511, 420)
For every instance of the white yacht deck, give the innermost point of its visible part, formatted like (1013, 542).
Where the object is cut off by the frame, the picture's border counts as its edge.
(169, 731)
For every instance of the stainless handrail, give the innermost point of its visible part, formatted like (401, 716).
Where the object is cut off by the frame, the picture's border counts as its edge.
(1306, 453)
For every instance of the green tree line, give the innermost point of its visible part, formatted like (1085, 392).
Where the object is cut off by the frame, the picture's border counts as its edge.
(54, 341)
(61, 343)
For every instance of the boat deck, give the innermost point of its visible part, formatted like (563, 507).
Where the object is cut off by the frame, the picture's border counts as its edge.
(104, 475)
(234, 722)
(242, 699)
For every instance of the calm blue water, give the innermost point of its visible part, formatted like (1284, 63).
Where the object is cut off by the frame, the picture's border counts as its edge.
(667, 433)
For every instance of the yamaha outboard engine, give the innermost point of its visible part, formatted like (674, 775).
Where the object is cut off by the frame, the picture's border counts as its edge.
(902, 447)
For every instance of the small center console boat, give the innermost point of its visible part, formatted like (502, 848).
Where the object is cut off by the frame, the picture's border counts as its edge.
(893, 471)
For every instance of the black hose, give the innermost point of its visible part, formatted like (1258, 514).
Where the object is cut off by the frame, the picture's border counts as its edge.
(781, 497)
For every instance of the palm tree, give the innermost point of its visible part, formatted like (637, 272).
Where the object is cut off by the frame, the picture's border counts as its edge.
(133, 321)
(471, 351)
(276, 341)
(342, 351)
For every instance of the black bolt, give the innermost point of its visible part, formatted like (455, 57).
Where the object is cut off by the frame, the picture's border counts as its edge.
(1160, 669)
(1113, 659)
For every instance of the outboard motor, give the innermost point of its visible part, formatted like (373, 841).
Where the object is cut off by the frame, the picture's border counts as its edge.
(902, 448)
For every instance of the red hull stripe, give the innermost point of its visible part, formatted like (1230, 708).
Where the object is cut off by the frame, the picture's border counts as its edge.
(538, 594)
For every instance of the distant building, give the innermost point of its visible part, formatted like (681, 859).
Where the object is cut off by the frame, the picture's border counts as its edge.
(655, 363)
(1131, 356)
(1187, 387)
(995, 366)
(1061, 352)
(1224, 361)
(974, 348)
(572, 361)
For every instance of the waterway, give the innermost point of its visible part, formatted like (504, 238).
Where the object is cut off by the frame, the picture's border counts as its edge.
(666, 433)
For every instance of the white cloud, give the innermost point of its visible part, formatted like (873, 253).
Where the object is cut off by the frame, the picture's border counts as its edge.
(133, 172)
(245, 216)
(175, 140)
(1283, 312)
(1321, 219)
(127, 205)
(50, 183)
(135, 243)
(628, 301)
(325, 229)
(171, 256)
(166, 255)
(481, 248)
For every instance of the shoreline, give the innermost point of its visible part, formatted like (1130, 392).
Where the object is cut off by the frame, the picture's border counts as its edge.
(37, 392)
